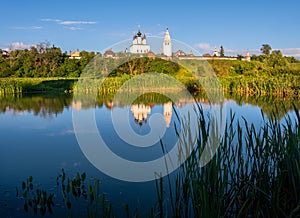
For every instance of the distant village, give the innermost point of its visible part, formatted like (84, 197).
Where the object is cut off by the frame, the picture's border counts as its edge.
(139, 46)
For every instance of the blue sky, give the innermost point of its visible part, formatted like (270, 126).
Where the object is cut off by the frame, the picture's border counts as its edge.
(95, 25)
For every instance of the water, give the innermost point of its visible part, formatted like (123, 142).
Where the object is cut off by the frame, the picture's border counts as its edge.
(38, 139)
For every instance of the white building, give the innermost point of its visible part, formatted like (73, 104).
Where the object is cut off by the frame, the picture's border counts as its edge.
(168, 107)
(140, 112)
(248, 57)
(167, 45)
(139, 44)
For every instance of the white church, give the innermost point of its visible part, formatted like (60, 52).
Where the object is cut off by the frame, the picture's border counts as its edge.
(140, 46)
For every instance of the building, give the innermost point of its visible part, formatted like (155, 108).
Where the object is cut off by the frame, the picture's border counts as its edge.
(248, 57)
(139, 44)
(167, 44)
(5, 53)
(140, 112)
(75, 54)
(207, 55)
(215, 52)
(180, 53)
(109, 54)
(168, 107)
(151, 54)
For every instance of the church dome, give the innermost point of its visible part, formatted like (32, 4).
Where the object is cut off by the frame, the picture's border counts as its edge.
(139, 34)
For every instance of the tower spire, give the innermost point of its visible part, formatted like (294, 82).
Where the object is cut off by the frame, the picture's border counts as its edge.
(139, 30)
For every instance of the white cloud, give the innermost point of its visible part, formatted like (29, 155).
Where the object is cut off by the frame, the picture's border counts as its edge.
(204, 47)
(73, 28)
(19, 46)
(76, 22)
(70, 24)
(28, 27)
(51, 20)
(234, 52)
(290, 52)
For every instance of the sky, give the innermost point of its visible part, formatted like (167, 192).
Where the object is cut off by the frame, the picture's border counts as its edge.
(95, 25)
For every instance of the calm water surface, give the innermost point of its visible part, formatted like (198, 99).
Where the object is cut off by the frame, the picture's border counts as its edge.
(37, 139)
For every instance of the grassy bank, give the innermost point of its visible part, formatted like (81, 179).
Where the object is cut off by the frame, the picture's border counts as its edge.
(250, 78)
(30, 85)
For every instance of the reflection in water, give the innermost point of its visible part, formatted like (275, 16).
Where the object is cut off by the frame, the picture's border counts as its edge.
(141, 112)
(48, 105)
(168, 113)
(76, 105)
(35, 150)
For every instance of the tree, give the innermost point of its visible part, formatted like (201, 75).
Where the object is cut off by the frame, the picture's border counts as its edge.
(276, 59)
(222, 51)
(239, 57)
(266, 49)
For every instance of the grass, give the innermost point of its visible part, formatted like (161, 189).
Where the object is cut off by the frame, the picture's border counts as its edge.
(11, 86)
(255, 173)
(285, 85)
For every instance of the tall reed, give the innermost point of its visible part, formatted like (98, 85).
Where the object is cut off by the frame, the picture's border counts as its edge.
(255, 172)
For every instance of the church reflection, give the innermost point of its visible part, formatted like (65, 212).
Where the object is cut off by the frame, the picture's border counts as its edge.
(141, 112)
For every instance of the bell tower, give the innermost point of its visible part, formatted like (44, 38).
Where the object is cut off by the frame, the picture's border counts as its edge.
(167, 45)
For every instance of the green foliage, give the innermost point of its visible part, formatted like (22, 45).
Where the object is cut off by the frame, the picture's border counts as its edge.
(43, 61)
(276, 60)
(222, 53)
(266, 49)
(242, 67)
(235, 75)
(255, 172)
(29, 85)
(35, 198)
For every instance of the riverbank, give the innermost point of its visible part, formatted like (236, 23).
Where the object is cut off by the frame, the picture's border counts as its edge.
(280, 86)
(11, 86)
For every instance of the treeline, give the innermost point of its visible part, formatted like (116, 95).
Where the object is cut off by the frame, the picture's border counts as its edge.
(266, 74)
(271, 64)
(43, 61)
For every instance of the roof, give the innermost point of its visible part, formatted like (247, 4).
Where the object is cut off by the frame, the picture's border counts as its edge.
(75, 53)
(109, 53)
(139, 34)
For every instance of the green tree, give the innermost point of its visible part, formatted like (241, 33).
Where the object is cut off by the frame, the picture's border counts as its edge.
(240, 57)
(276, 60)
(266, 49)
(222, 53)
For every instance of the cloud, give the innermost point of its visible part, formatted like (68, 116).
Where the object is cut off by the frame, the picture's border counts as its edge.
(76, 22)
(51, 20)
(28, 27)
(204, 47)
(295, 52)
(73, 28)
(19, 46)
(70, 24)
(234, 52)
